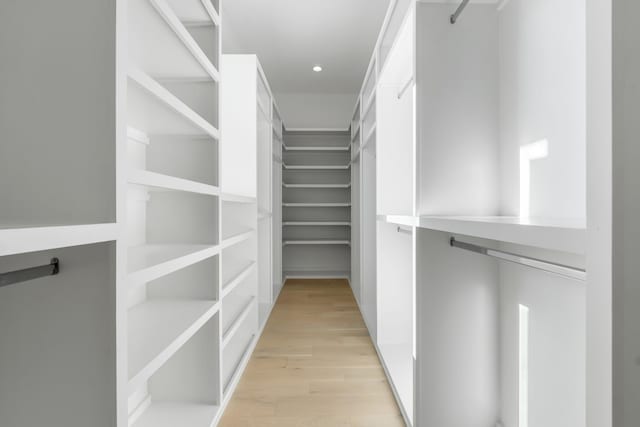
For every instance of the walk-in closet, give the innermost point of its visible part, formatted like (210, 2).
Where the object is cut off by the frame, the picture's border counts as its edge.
(338, 213)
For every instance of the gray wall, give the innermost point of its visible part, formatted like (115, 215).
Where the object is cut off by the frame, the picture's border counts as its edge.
(626, 211)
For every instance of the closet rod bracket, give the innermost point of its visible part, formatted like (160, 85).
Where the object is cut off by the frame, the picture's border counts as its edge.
(32, 273)
(458, 11)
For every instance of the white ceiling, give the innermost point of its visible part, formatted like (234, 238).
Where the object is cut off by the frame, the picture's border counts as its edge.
(291, 36)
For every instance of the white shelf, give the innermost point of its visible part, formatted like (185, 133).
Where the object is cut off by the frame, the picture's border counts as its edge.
(165, 414)
(158, 329)
(18, 239)
(314, 167)
(237, 322)
(411, 221)
(165, 182)
(138, 136)
(553, 234)
(195, 12)
(264, 109)
(317, 130)
(150, 262)
(180, 56)
(228, 287)
(278, 132)
(290, 148)
(316, 185)
(317, 223)
(355, 133)
(236, 198)
(316, 205)
(355, 155)
(239, 369)
(317, 242)
(316, 274)
(237, 238)
(370, 134)
(155, 110)
(369, 103)
(565, 235)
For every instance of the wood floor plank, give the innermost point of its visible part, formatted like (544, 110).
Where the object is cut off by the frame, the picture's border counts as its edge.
(314, 366)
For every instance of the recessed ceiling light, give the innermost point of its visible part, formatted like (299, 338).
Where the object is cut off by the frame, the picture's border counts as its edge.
(317, 68)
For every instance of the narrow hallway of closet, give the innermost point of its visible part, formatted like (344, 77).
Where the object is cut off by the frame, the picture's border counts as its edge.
(315, 362)
(315, 365)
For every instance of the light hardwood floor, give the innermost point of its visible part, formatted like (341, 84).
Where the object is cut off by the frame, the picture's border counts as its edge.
(314, 366)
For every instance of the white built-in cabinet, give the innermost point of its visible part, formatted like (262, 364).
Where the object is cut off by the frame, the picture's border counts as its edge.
(252, 129)
(475, 207)
(182, 236)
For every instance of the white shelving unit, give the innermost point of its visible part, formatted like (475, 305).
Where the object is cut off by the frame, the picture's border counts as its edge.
(253, 131)
(356, 201)
(276, 207)
(316, 202)
(176, 231)
(363, 196)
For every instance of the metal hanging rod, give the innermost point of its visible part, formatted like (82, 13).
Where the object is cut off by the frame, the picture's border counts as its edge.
(458, 11)
(550, 267)
(32, 273)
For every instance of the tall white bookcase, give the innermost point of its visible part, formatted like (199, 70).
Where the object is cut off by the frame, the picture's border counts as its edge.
(252, 130)
(176, 235)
